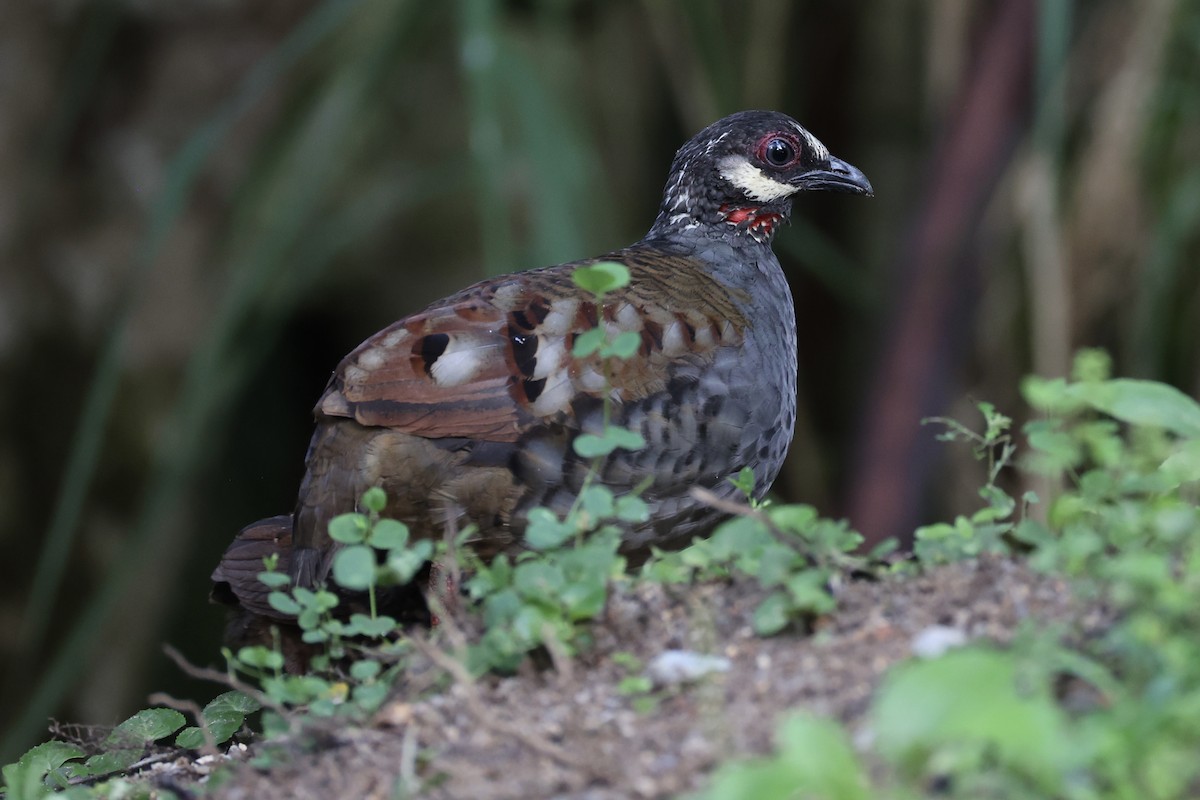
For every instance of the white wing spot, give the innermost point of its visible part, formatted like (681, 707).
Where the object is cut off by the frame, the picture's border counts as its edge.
(371, 360)
(458, 364)
(554, 398)
(673, 344)
(395, 337)
(549, 358)
(559, 320)
(590, 380)
(629, 318)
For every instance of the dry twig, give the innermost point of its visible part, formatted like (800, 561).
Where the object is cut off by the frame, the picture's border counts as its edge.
(485, 717)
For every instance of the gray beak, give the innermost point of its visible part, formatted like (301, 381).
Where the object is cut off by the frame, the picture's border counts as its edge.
(835, 176)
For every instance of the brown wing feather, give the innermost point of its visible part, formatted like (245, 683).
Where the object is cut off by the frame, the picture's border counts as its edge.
(494, 359)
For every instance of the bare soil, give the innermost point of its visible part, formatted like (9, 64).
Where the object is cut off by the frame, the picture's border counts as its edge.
(569, 732)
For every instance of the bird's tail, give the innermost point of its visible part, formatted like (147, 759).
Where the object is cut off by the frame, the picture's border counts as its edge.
(235, 580)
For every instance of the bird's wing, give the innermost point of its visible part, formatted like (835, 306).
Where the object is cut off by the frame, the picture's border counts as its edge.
(495, 359)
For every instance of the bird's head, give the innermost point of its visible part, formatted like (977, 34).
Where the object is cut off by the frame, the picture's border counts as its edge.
(743, 172)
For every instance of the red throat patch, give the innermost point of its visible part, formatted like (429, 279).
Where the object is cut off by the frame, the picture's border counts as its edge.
(757, 221)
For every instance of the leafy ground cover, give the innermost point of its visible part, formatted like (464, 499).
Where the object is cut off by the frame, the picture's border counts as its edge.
(1042, 647)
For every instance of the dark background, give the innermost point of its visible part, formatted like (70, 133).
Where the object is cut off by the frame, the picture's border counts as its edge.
(205, 204)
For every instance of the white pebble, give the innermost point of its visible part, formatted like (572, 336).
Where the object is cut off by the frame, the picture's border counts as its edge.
(936, 640)
(672, 667)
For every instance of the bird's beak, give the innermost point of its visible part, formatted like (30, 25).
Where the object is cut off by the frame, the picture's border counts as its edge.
(835, 176)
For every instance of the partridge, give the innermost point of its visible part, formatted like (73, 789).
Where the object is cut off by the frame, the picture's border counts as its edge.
(466, 411)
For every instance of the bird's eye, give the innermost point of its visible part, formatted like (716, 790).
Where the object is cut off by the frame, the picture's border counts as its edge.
(778, 152)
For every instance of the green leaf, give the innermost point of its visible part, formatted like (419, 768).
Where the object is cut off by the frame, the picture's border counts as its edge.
(1091, 365)
(305, 597)
(261, 657)
(405, 562)
(50, 755)
(233, 701)
(147, 725)
(365, 670)
(794, 518)
(25, 778)
(323, 600)
(354, 567)
(374, 499)
(284, 604)
(632, 509)
(588, 445)
(1184, 464)
(274, 580)
(744, 482)
(815, 760)
(545, 530)
(224, 718)
(127, 742)
(626, 439)
(583, 601)
(627, 660)
(771, 616)
(190, 738)
(971, 697)
(809, 592)
(348, 528)
(370, 696)
(634, 684)
(1051, 395)
(1139, 402)
(623, 346)
(597, 501)
(538, 579)
(115, 760)
(364, 625)
(601, 278)
(274, 724)
(591, 446)
(588, 342)
(389, 534)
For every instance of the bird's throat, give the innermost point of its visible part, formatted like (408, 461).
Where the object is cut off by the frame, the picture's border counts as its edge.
(758, 221)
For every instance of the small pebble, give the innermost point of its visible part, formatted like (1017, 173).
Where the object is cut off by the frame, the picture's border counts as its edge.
(936, 640)
(673, 667)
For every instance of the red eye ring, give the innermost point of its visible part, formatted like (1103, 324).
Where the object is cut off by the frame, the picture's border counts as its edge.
(779, 150)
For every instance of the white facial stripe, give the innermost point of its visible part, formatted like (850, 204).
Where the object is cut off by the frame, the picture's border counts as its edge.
(752, 181)
(818, 150)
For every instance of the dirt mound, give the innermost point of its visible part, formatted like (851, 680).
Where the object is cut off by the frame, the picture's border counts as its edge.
(596, 728)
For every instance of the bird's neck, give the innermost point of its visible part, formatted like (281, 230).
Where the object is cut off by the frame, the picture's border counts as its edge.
(752, 222)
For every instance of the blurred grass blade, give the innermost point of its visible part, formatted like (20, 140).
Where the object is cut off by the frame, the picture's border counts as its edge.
(479, 49)
(180, 179)
(1166, 272)
(564, 169)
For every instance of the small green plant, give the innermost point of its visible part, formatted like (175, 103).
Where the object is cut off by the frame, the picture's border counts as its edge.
(362, 652)
(636, 685)
(813, 759)
(789, 549)
(988, 529)
(979, 720)
(57, 765)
